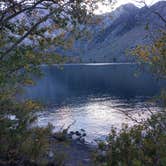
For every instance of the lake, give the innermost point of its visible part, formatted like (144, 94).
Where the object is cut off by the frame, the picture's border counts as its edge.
(93, 96)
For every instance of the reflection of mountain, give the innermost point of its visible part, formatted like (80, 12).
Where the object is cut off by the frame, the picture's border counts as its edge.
(120, 30)
(83, 80)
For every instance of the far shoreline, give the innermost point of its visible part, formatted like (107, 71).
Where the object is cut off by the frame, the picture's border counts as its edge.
(91, 64)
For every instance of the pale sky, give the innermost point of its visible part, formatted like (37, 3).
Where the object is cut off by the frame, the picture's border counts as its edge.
(105, 9)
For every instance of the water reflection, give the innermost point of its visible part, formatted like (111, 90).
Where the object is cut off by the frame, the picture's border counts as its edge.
(96, 115)
(58, 85)
(91, 95)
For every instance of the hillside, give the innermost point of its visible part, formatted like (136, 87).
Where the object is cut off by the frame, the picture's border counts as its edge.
(119, 31)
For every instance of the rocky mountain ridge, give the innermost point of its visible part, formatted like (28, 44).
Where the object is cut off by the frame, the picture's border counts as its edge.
(119, 31)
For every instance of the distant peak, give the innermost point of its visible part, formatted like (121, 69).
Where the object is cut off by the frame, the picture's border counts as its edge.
(128, 6)
(159, 4)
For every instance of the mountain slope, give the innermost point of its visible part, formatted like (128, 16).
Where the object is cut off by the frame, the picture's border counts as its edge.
(124, 31)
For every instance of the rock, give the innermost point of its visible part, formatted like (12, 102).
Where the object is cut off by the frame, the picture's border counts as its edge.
(82, 130)
(72, 132)
(78, 133)
(82, 140)
(84, 134)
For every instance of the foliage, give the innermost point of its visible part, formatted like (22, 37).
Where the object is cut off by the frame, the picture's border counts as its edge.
(154, 54)
(141, 145)
(30, 34)
(18, 143)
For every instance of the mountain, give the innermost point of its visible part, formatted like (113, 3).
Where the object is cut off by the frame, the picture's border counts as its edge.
(119, 31)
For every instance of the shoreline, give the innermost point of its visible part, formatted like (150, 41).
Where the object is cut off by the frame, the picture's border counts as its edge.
(91, 64)
(72, 152)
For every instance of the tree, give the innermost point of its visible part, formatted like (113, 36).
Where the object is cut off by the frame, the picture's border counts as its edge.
(154, 53)
(39, 23)
(29, 29)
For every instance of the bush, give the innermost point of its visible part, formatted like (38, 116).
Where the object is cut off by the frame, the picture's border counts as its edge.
(140, 145)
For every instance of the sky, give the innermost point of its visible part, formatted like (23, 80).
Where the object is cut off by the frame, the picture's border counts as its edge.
(104, 9)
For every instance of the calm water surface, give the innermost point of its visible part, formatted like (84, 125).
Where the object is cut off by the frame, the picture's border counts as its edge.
(93, 96)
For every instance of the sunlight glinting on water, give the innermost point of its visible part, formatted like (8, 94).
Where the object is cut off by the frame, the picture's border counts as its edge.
(96, 116)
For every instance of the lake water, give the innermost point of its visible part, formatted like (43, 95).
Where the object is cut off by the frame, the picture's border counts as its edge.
(93, 96)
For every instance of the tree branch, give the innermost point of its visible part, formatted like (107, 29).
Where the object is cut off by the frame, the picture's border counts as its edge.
(26, 34)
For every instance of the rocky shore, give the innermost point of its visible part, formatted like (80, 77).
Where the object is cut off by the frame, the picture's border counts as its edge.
(71, 149)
